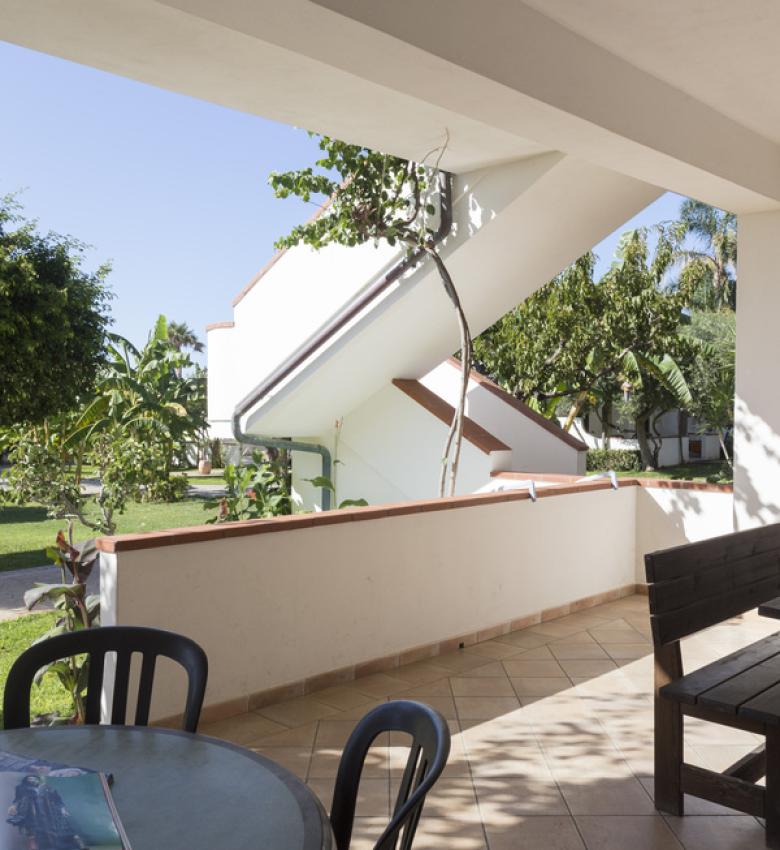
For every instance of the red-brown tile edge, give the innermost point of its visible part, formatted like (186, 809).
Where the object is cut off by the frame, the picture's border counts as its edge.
(673, 484)
(216, 326)
(201, 533)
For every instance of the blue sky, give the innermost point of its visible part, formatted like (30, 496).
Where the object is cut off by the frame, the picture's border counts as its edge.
(170, 189)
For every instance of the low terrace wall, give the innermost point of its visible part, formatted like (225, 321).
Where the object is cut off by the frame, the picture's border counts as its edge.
(287, 606)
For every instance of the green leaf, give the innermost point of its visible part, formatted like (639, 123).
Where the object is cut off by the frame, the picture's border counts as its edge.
(321, 481)
(353, 503)
(52, 592)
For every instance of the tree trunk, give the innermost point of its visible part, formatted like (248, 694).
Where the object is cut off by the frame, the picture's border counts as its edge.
(606, 413)
(574, 410)
(452, 446)
(641, 424)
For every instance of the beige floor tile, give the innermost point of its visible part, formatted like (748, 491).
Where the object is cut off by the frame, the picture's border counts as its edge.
(482, 686)
(492, 669)
(419, 673)
(495, 649)
(555, 629)
(245, 729)
(438, 688)
(593, 667)
(525, 639)
(294, 759)
(297, 712)
(510, 762)
(738, 832)
(576, 638)
(629, 651)
(536, 832)
(444, 705)
(606, 636)
(451, 799)
(373, 796)
(380, 685)
(522, 668)
(586, 763)
(361, 711)
(540, 653)
(485, 708)
(325, 763)
(539, 686)
(503, 799)
(302, 736)
(623, 795)
(445, 834)
(333, 733)
(577, 651)
(366, 831)
(342, 697)
(628, 832)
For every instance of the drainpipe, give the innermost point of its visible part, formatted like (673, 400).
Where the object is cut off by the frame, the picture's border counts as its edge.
(288, 445)
(324, 334)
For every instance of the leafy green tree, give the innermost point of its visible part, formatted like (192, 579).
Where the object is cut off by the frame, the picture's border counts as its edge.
(182, 336)
(709, 268)
(132, 429)
(711, 374)
(147, 394)
(53, 317)
(580, 341)
(375, 196)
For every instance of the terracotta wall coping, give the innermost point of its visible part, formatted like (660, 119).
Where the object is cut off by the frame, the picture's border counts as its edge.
(201, 533)
(519, 475)
(523, 408)
(215, 326)
(474, 433)
(677, 484)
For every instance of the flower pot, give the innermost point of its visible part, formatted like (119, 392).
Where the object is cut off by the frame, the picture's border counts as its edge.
(204, 467)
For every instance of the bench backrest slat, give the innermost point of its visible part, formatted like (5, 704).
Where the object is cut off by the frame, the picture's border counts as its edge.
(698, 585)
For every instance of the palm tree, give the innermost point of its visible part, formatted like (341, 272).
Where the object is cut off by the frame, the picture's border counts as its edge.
(712, 263)
(181, 335)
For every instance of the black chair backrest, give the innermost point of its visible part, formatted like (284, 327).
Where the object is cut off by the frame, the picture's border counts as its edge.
(698, 585)
(124, 641)
(428, 754)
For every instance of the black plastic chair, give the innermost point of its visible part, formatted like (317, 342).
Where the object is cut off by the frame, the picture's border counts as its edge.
(427, 757)
(124, 641)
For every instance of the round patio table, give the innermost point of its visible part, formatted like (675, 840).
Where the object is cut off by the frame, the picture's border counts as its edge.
(177, 791)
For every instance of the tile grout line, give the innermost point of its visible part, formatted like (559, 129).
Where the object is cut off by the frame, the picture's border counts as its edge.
(468, 762)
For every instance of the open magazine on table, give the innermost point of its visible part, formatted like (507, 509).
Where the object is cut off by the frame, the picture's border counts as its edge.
(50, 806)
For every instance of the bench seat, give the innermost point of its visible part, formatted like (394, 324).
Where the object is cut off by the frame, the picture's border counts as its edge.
(745, 683)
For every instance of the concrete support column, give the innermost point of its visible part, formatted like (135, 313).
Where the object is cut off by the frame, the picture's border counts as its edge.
(757, 406)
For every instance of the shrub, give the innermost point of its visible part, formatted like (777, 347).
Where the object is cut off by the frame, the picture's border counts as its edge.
(620, 460)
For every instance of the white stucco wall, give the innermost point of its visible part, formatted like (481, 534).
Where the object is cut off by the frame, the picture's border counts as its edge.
(292, 299)
(272, 608)
(757, 406)
(534, 449)
(389, 451)
(672, 516)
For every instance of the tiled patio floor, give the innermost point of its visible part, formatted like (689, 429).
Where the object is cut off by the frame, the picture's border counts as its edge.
(552, 740)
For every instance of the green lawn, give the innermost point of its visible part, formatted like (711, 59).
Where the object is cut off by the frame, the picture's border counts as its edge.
(25, 532)
(687, 472)
(15, 637)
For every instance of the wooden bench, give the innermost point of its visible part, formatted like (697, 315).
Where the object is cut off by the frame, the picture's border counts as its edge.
(691, 588)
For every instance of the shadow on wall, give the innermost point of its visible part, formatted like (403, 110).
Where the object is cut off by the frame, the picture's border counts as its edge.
(757, 470)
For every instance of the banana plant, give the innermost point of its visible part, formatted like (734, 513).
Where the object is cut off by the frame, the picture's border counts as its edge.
(77, 610)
